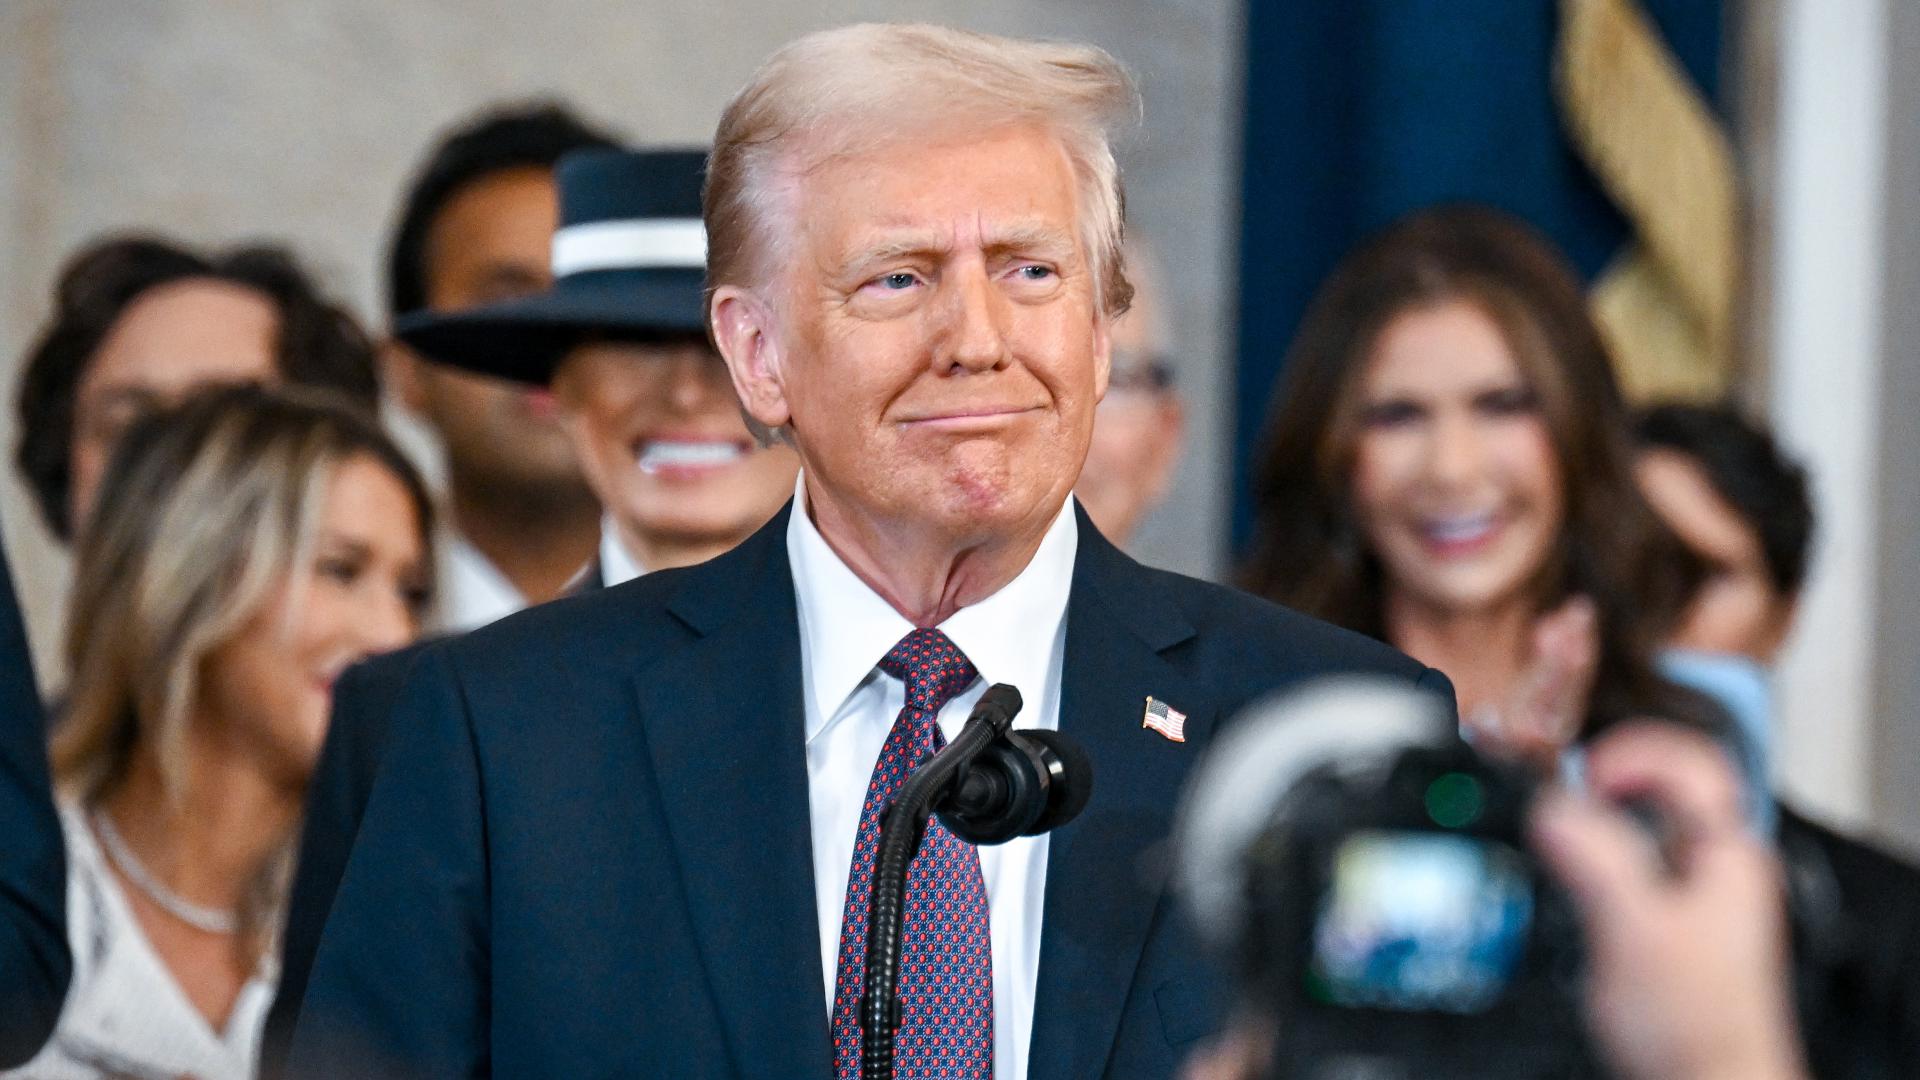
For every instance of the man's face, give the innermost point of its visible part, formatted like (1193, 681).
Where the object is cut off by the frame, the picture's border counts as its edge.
(935, 345)
(1737, 609)
(1136, 430)
(173, 340)
(491, 242)
(659, 432)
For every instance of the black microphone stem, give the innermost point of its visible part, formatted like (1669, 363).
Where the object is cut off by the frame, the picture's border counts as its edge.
(900, 835)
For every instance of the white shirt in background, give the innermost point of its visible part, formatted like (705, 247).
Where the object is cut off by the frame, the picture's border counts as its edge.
(473, 592)
(1017, 636)
(617, 565)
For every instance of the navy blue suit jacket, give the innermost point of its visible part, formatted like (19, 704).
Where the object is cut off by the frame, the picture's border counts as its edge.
(34, 960)
(357, 732)
(588, 850)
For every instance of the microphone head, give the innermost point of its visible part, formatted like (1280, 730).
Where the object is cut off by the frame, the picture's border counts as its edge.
(998, 706)
(1070, 778)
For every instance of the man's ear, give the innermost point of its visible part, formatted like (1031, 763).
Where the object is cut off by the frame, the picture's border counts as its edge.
(1102, 354)
(1786, 612)
(401, 371)
(742, 324)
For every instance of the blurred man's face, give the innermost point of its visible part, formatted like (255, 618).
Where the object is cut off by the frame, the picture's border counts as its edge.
(173, 340)
(1737, 609)
(491, 242)
(937, 347)
(1136, 429)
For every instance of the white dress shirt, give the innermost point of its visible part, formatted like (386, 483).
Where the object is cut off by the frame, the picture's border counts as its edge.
(125, 1014)
(617, 564)
(473, 592)
(1017, 636)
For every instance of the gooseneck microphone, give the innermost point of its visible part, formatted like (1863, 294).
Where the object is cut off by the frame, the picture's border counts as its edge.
(989, 785)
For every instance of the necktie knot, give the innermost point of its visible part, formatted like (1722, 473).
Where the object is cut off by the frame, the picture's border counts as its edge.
(932, 666)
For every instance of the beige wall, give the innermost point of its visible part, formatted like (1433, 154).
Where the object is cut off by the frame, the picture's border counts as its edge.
(1838, 206)
(222, 119)
(1896, 700)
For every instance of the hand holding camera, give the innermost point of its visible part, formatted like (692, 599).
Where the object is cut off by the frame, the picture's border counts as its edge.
(1686, 947)
(1396, 904)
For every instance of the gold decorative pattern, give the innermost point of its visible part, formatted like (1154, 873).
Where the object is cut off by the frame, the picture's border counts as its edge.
(1666, 305)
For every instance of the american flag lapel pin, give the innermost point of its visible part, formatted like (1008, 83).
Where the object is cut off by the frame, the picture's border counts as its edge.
(1170, 722)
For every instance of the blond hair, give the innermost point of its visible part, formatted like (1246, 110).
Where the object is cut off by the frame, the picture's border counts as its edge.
(204, 511)
(837, 92)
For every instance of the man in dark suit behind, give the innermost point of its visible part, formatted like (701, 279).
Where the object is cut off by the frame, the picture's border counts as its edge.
(625, 834)
(34, 960)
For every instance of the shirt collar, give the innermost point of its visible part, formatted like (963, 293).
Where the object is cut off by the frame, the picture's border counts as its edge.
(617, 564)
(845, 627)
(474, 592)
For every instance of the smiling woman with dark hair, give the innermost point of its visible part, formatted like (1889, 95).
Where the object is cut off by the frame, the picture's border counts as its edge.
(1449, 469)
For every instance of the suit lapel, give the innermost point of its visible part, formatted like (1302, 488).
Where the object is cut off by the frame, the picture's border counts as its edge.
(1104, 881)
(724, 721)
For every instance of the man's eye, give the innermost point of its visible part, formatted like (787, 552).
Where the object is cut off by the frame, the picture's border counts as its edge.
(343, 571)
(899, 279)
(1034, 272)
(109, 423)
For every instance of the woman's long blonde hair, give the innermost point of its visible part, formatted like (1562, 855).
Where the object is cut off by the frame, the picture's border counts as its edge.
(204, 511)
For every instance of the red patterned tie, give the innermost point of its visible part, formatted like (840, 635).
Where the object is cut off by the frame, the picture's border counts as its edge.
(946, 964)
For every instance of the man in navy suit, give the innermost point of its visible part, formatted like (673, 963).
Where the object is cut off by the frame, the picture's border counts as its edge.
(34, 960)
(625, 834)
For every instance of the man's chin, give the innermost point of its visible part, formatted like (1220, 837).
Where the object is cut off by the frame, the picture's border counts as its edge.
(966, 501)
(973, 515)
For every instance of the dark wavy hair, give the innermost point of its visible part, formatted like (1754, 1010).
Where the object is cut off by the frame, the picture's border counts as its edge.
(1308, 549)
(319, 344)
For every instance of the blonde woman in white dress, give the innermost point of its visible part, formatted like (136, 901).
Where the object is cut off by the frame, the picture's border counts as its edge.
(247, 546)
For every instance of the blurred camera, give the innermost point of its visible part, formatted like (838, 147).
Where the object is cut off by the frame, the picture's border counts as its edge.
(1364, 874)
